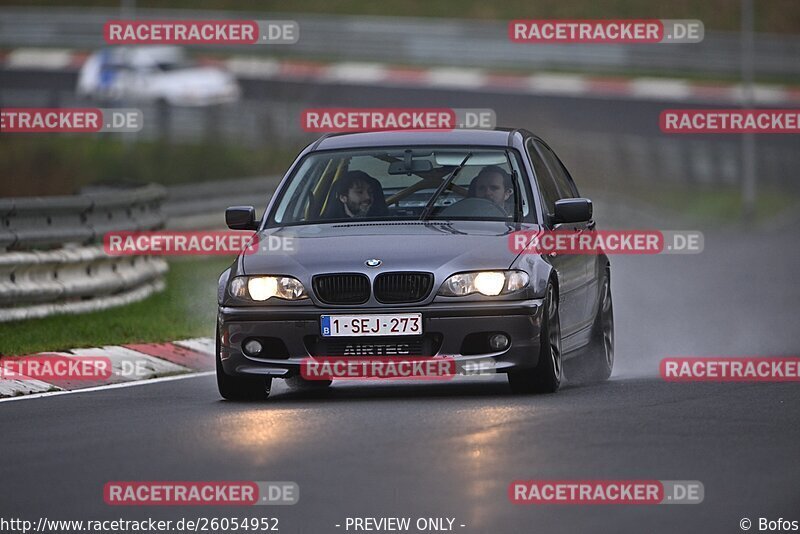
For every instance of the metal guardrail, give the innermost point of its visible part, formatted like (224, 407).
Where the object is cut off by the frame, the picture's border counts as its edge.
(430, 41)
(45, 222)
(50, 261)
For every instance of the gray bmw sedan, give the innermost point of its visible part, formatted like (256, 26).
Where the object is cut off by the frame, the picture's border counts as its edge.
(400, 244)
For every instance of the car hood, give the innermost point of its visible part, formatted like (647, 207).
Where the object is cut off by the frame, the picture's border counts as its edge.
(444, 247)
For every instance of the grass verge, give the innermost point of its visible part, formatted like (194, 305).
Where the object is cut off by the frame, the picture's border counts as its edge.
(60, 165)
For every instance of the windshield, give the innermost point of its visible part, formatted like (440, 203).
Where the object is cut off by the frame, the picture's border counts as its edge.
(405, 184)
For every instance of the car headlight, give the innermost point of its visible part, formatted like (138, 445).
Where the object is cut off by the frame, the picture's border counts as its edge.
(489, 283)
(261, 288)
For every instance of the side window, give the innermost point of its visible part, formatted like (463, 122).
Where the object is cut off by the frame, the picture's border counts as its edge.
(298, 196)
(566, 188)
(544, 179)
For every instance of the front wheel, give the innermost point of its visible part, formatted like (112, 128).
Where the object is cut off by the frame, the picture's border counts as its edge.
(546, 376)
(240, 387)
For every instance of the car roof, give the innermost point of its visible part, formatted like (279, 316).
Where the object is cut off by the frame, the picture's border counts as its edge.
(499, 137)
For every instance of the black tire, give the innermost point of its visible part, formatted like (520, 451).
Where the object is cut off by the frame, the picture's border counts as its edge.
(299, 383)
(546, 376)
(248, 388)
(597, 361)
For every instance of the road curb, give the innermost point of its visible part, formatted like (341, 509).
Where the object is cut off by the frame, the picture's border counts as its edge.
(463, 78)
(135, 362)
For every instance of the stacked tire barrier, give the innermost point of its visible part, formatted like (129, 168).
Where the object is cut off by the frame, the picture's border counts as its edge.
(52, 259)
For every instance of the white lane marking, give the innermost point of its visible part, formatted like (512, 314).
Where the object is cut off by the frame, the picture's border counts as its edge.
(110, 386)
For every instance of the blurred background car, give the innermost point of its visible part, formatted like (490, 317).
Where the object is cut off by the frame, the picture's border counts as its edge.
(157, 73)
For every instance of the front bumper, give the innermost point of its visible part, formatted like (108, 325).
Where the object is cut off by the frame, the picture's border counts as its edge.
(446, 324)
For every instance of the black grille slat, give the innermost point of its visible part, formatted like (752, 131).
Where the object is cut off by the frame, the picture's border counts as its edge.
(342, 288)
(396, 288)
(389, 288)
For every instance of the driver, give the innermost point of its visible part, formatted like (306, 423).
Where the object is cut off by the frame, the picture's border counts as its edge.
(357, 195)
(493, 184)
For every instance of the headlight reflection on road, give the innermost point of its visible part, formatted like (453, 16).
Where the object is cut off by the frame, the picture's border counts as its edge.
(266, 435)
(478, 456)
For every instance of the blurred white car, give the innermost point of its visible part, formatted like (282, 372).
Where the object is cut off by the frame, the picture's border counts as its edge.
(155, 73)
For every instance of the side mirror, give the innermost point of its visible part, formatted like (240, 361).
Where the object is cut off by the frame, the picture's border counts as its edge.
(241, 218)
(573, 210)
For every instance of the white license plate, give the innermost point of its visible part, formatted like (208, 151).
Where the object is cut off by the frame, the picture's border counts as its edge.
(399, 324)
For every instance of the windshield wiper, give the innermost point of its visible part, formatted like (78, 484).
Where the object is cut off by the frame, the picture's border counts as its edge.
(429, 206)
